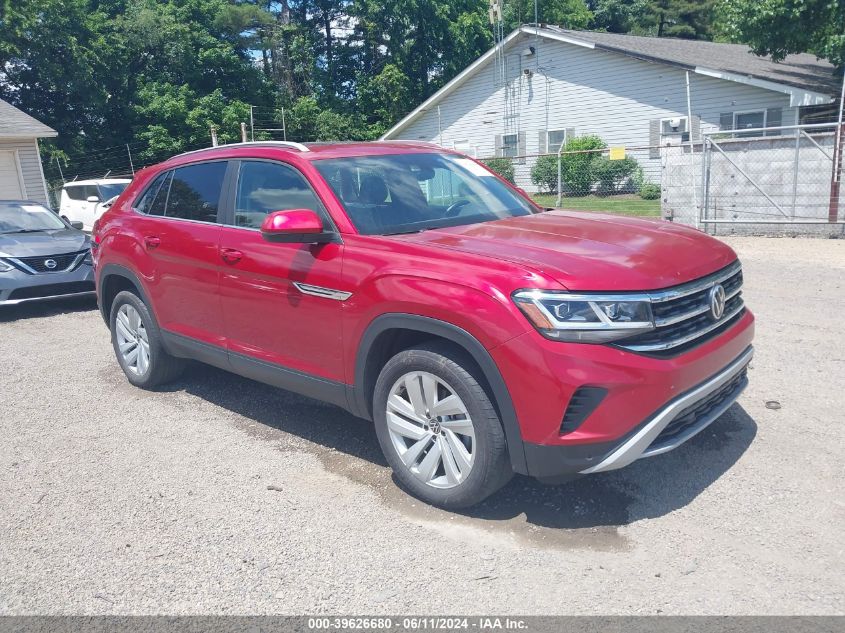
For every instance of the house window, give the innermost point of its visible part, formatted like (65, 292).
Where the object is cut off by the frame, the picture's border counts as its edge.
(510, 145)
(554, 140)
(749, 120)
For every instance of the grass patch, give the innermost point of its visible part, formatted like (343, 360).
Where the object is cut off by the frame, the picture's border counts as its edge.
(627, 204)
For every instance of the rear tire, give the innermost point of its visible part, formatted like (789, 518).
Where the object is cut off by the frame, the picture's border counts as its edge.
(137, 343)
(438, 429)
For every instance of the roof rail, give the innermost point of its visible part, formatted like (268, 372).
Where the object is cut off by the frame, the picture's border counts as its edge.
(290, 144)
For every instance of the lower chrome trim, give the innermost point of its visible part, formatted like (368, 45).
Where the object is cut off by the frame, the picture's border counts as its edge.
(319, 291)
(638, 445)
(12, 302)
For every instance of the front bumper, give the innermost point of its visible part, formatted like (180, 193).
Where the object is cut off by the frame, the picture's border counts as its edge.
(19, 287)
(670, 426)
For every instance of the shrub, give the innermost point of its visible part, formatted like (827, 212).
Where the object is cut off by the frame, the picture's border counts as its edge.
(649, 191)
(577, 168)
(544, 173)
(611, 174)
(503, 167)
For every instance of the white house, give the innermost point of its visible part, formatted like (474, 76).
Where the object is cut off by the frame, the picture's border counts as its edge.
(21, 176)
(544, 84)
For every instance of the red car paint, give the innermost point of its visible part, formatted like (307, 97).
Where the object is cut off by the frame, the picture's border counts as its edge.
(233, 290)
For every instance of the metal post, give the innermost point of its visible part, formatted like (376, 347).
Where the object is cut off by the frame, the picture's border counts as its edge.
(59, 165)
(691, 150)
(795, 171)
(284, 126)
(836, 177)
(213, 136)
(559, 177)
(243, 132)
(705, 177)
(131, 166)
(251, 124)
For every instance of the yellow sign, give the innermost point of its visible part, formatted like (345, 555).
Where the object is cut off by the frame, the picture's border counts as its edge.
(617, 153)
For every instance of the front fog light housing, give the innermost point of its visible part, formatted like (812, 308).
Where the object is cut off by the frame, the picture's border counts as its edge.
(586, 318)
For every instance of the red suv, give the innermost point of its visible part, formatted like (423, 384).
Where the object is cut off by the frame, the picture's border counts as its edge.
(410, 285)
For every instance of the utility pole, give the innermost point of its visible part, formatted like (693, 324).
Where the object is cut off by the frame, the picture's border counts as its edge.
(243, 132)
(213, 136)
(251, 123)
(131, 166)
(284, 126)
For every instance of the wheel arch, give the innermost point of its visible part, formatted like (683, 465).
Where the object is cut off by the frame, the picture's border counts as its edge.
(112, 279)
(378, 344)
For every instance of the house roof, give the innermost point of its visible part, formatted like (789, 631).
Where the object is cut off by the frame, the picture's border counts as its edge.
(800, 70)
(807, 80)
(17, 124)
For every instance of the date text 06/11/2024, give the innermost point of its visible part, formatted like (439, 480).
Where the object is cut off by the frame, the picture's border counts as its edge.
(417, 623)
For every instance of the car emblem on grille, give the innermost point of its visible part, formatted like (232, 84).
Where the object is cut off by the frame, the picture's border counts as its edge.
(717, 302)
(50, 263)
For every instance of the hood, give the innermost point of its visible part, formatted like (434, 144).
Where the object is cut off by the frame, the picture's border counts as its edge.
(43, 243)
(586, 251)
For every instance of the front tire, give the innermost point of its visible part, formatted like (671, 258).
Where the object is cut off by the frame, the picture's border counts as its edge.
(137, 343)
(438, 429)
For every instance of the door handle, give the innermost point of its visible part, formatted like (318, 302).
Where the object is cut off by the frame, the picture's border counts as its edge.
(230, 255)
(152, 241)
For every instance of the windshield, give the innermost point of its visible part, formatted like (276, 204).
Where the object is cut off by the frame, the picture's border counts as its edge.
(17, 217)
(405, 193)
(109, 191)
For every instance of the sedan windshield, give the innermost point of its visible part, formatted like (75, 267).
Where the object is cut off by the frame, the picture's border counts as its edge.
(110, 190)
(406, 193)
(24, 217)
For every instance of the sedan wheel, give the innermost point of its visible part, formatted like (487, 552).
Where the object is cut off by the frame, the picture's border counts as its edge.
(132, 340)
(431, 429)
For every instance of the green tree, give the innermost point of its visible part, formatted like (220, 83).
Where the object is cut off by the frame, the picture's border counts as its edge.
(570, 14)
(690, 19)
(617, 16)
(781, 27)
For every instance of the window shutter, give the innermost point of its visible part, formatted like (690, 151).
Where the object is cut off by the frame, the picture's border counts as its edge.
(774, 118)
(695, 128)
(497, 143)
(654, 138)
(541, 142)
(726, 121)
(520, 146)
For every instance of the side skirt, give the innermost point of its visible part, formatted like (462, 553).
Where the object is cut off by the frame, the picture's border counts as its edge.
(269, 373)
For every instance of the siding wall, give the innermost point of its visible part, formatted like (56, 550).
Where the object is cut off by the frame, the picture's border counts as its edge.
(592, 91)
(30, 163)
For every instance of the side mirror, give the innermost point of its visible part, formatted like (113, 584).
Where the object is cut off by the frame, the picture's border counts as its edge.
(93, 199)
(301, 226)
(76, 224)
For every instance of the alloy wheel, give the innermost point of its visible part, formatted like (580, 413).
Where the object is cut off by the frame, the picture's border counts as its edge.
(431, 429)
(132, 339)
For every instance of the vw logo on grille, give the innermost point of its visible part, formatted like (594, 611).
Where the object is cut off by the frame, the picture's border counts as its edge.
(50, 263)
(717, 302)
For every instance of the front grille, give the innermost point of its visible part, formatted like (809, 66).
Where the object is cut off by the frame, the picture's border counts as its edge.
(52, 290)
(682, 314)
(690, 416)
(63, 262)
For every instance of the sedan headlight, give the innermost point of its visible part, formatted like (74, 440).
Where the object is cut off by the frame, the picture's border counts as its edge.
(585, 318)
(5, 266)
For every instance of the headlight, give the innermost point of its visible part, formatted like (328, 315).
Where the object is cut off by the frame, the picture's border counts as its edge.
(585, 318)
(5, 266)
(88, 258)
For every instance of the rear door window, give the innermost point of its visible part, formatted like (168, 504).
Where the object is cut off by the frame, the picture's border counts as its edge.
(194, 192)
(76, 192)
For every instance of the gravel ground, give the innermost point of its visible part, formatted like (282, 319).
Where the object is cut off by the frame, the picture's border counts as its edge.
(220, 495)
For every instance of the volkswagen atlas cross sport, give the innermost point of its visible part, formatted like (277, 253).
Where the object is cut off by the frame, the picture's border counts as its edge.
(483, 335)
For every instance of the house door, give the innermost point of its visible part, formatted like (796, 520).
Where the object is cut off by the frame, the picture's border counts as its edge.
(11, 187)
